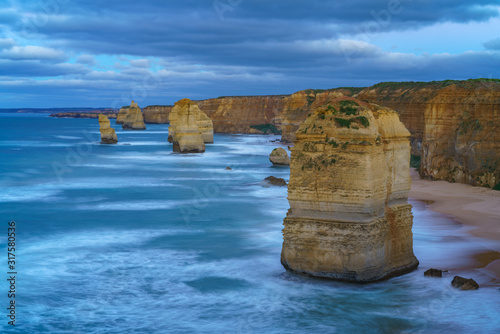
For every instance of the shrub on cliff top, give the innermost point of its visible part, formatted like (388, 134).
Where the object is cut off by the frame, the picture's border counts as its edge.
(348, 107)
(345, 123)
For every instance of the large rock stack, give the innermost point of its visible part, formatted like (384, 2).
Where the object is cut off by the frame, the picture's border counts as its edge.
(122, 114)
(108, 135)
(349, 181)
(132, 119)
(190, 128)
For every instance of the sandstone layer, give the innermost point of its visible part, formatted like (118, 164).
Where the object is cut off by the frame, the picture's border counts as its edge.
(108, 135)
(279, 157)
(156, 114)
(349, 218)
(132, 119)
(204, 123)
(189, 128)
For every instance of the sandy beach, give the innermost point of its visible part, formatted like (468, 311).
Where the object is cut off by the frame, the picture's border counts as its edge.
(476, 207)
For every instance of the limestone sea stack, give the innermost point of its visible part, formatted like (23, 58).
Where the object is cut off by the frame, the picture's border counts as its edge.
(279, 157)
(349, 218)
(121, 115)
(185, 131)
(108, 135)
(133, 119)
(203, 122)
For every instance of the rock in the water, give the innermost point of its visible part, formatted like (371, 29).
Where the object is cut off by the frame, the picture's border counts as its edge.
(274, 181)
(203, 122)
(121, 114)
(132, 120)
(279, 157)
(184, 130)
(433, 273)
(464, 283)
(228, 168)
(108, 135)
(349, 218)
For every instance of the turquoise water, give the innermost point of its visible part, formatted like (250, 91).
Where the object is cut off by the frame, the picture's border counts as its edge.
(131, 238)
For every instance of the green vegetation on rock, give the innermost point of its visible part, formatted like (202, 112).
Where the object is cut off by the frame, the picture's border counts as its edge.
(415, 161)
(267, 128)
(345, 123)
(348, 107)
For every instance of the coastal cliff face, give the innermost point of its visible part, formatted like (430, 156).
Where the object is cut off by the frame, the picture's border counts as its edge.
(156, 114)
(349, 180)
(243, 114)
(455, 127)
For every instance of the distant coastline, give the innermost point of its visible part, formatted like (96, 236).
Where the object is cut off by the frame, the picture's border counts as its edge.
(73, 110)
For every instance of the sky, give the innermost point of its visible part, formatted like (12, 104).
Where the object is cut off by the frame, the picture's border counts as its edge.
(96, 53)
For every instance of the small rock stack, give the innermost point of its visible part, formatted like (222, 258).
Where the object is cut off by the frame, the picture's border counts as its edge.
(108, 135)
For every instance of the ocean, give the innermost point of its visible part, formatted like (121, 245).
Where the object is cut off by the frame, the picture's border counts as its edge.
(133, 238)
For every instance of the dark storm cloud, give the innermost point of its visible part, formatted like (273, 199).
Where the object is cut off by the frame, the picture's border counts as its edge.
(225, 31)
(35, 68)
(108, 50)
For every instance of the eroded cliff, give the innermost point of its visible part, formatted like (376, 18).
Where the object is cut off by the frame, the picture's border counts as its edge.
(349, 180)
(156, 114)
(454, 125)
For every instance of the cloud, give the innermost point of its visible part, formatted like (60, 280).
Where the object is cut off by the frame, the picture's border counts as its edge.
(16, 52)
(193, 49)
(493, 44)
(86, 60)
(143, 63)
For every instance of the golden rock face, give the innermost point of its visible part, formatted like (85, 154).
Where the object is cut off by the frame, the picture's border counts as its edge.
(349, 181)
(108, 135)
(190, 128)
(132, 119)
(203, 122)
(455, 129)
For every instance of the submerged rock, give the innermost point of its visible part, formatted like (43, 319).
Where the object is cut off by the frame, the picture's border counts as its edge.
(108, 135)
(184, 130)
(274, 181)
(279, 157)
(464, 283)
(433, 273)
(349, 218)
(132, 119)
(204, 123)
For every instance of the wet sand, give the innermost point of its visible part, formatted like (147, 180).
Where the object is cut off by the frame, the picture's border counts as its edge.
(475, 207)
